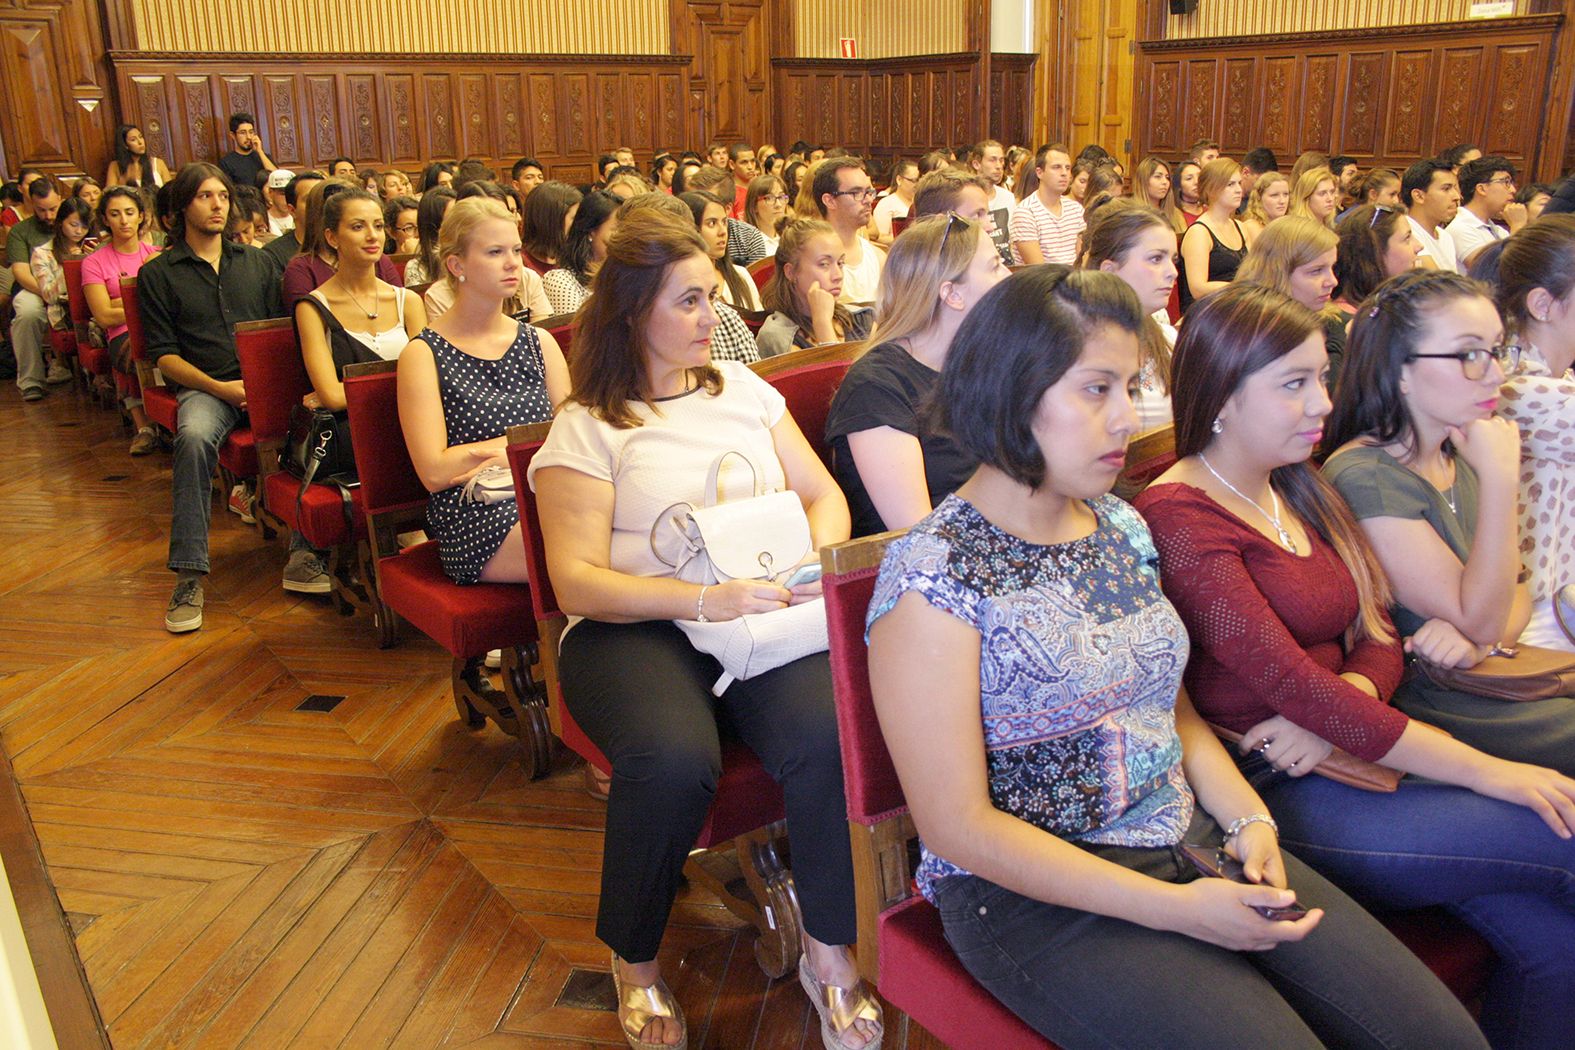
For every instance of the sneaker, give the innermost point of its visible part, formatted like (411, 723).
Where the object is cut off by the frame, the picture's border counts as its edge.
(58, 373)
(241, 503)
(305, 573)
(33, 393)
(185, 611)
(146, 441)
(494, 660)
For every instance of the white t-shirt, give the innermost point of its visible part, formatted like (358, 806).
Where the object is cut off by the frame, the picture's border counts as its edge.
(666, 459)
(280, 226)
(1056, 234)
(888, 208)
(861, 280)
(1001, 197)
(1440, 249)
(1469, 232)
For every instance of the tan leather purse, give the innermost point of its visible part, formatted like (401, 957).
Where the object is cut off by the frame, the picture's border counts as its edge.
(1526, 672)
(1340, 766)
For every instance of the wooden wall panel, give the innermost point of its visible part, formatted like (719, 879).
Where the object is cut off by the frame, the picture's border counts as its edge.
(1384, 97)
(55, 100)
(562, 112)
(1218, 18)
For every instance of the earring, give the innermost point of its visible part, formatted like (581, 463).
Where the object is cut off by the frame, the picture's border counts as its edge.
(1218, 426)
(461, 278)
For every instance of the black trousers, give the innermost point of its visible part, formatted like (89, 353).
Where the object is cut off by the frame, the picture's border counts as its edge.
(642, 693)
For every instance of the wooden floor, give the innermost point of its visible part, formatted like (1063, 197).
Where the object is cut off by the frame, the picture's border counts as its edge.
(238, 871)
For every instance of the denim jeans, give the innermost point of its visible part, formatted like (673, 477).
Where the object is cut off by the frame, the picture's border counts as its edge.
(29, 336)
(1091, 981)
(201, 425)
(1495, 864)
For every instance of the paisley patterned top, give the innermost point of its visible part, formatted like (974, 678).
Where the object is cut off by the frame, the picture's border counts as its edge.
(1080, 660)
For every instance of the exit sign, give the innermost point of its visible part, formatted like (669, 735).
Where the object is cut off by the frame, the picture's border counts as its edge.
(850, 47)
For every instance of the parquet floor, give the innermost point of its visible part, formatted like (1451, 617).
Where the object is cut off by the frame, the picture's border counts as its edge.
(240, 872)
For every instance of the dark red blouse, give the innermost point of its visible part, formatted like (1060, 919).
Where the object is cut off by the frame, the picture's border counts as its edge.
(1267, 626)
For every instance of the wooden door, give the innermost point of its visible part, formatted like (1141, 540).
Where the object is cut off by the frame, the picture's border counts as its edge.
(730, 70)
(54, 111)
(1100, 37)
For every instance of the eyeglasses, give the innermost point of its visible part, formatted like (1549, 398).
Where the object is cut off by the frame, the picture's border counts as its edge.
(408, 227)
(1474, 363)
(1506, 181)
(1378, 209)
(862, 193)
(780, 198)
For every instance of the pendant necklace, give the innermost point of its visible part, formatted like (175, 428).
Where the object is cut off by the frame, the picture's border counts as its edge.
(1274, 519)
(377, 307)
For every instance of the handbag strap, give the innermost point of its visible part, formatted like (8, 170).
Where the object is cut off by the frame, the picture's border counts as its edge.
(716, 471)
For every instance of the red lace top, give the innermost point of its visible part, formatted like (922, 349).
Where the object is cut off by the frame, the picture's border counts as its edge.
(1267, 626)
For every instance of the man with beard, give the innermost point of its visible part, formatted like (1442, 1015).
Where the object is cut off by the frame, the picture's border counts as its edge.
(30, 322)
(192, 296)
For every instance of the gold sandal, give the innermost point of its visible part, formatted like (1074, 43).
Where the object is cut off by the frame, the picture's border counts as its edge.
(839, 1008)
(639, 1005)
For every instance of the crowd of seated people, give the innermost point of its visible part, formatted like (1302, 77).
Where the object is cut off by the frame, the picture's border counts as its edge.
(1376, 474)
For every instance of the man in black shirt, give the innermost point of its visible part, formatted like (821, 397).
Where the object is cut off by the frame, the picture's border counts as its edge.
(243, 163)
(288, 244)
(192, 295)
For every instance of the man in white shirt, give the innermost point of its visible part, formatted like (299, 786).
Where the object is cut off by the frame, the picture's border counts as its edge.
(987, 159)
(1046, 223)
(1487, 185)
(281, 220)
(1431, 195)
(846, 198)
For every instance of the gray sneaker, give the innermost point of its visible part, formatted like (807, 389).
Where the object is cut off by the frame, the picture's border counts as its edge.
(185, 611)
(305, 573)
(58, 373)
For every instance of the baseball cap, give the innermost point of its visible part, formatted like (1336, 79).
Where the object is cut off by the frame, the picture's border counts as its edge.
(279, 178)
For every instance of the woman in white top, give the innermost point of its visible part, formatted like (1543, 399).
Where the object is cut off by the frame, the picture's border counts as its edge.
(737, 288)
(132, 166)
(1536, 294)
(1137, 244)
(353, 316)
(645, 419)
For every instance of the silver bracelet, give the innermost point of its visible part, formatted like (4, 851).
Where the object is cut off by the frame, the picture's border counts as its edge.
(1252, 818)
(700, 605)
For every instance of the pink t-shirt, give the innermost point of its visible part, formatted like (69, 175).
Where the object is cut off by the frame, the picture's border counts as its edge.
(107, 266)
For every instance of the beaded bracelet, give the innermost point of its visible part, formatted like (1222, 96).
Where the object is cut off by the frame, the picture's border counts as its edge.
(1239, 823)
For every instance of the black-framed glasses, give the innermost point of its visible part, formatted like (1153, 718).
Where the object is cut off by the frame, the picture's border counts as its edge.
(780, 198)
(408, 227)
(1379, 209)
(1474, 362)
(862, 193)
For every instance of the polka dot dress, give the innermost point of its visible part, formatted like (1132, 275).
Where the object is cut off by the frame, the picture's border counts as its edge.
(481, 400)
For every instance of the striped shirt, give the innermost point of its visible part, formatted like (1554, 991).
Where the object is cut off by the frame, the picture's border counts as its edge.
(1057, 235)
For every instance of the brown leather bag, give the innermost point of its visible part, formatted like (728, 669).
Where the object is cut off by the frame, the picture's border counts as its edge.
(1527, 672)
(1340, 766)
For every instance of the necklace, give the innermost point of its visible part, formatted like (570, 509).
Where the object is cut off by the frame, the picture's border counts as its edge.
(377, 306)
(1274, 519)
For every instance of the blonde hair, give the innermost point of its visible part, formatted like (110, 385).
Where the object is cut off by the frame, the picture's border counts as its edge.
(779, 294)
(460, 224)
(1214, 177)
(1284, 246)
(920, 261)
(1305, 186)
(804, 205)
(1267, 181)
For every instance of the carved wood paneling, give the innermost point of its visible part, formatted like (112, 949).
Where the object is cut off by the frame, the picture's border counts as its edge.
(673, 126)
(194, 105)
(1383, 97)
(401, 88)
(574, 103)
(55, 92)
(475, 121)
(513, 115)
(364, 116)
(280, 120)
(544, 114)
(322, 110)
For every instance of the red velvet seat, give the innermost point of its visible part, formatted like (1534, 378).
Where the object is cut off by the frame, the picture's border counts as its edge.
(468, 621)
(748, 805)
(561, 328)
(808, 379)
(761, 270)
(900, 223)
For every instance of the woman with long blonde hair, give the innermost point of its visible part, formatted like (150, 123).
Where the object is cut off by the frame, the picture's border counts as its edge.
(1269, 200)
(892, 464)
(1296, 257)
(1315, 194)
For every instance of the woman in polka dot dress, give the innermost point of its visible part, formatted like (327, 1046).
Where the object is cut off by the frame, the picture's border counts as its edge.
(464, 380)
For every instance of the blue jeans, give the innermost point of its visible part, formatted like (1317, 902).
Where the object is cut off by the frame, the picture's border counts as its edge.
(201, 426)
(1495, 864)
(1091, 981)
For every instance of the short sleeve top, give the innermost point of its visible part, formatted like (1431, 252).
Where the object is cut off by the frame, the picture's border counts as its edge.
(1376, 485)
(1544, 406)
(887, 387)
(107, 266)
(665, 460)
(1080, 660)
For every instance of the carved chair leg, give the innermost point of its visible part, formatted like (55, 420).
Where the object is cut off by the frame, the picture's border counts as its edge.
(754, 884)
(527, 698)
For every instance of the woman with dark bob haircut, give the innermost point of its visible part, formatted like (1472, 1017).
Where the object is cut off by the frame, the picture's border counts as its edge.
(1051, 825)
(1293, 653)
(1375, 245)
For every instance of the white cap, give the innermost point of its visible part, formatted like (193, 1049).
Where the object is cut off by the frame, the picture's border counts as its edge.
(279, 178)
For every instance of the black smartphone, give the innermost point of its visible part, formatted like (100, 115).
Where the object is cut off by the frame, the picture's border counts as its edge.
(1218, 864)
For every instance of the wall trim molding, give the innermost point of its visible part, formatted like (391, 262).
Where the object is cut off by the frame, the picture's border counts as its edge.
(402, 60)
(854, 65)
(1521, 23)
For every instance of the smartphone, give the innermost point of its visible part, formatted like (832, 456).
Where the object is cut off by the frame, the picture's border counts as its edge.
(807, 573)
(1218, 864)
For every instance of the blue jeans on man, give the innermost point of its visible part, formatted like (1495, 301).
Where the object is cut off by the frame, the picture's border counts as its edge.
(201, 426)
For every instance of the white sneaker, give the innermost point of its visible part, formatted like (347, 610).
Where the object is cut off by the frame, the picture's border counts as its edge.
(57, 374)
(494, 659)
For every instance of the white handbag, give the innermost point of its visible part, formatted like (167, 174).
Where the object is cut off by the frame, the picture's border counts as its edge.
(757, 538)
(494, 484)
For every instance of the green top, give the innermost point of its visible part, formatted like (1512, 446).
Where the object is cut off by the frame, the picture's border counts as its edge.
(1376, 485)
(24, 237)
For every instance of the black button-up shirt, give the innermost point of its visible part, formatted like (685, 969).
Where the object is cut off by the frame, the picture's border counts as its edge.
(190, 310)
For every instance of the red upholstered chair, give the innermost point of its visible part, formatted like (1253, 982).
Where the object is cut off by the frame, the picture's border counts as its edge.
(747, 811)
(900, 223)
(94, 360)
(808, 379)
(901, 948)
(276, 381)
(158, 400)
(761, 270)
(468, 621)
(561, 328)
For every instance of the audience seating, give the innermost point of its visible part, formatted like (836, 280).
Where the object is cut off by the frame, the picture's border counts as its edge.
(92, 360)
(761, 270)
(561, 327)
(276, 381)
(808, 379)
(1148, 456)
(754, 319)
(900, 223)
(748, 808)
(467, 621)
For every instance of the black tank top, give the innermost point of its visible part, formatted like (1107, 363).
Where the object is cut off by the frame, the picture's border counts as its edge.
(1223, 262)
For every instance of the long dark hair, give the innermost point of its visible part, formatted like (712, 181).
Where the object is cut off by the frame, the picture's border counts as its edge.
(596, 207)
(429, 220)
(183, 190)
(608, 370)
(1229, 336)
(1386, 333)
(1364, 240)
(738, 282)
(1542, 255)
(124, 158)
(544, 211)
(69, 207)
(1112, 235)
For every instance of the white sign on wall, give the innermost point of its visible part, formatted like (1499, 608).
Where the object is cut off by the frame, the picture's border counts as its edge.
(1492, 8)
